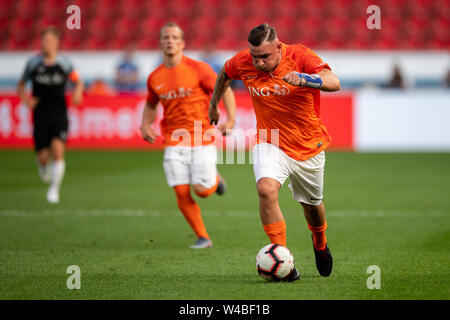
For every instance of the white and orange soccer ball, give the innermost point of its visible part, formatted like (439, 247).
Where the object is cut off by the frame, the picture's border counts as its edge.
(274, 262)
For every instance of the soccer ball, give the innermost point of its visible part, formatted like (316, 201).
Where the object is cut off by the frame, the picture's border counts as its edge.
(274, 262)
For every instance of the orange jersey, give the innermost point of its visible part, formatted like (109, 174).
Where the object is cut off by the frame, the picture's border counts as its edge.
(294, 111)
(184, 92)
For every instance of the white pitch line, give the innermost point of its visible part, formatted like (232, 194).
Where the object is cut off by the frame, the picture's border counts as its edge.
(214, 213)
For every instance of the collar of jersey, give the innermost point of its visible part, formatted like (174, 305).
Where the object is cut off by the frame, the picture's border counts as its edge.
(183, 59)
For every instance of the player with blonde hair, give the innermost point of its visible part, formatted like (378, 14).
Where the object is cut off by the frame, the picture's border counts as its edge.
(183, 86)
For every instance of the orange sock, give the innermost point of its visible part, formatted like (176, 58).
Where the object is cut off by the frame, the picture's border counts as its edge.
(276, 232)
(190, 210)
(319, 237)
(207, 192)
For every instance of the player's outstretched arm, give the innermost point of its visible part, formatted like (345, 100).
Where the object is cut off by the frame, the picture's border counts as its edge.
(325, 80)
(148, 117)
(330, 82)
(230, 107)
(77, 97)
(222, 84)
(30, 101)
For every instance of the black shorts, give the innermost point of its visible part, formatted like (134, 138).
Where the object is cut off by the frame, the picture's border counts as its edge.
(44, 133)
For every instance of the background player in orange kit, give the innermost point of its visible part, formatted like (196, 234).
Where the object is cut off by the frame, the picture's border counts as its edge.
(183, 86)
(285, 82)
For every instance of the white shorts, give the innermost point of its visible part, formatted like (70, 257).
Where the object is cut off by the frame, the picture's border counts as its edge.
(191, 165)
(306, 177)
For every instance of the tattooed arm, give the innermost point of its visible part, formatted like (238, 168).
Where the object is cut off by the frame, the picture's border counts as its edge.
(222, 84)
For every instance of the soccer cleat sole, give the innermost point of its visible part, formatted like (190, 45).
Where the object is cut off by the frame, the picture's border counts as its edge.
(293, 276)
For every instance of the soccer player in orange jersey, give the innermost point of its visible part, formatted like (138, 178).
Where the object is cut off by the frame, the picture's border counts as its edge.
(183, 86)
(284, 82)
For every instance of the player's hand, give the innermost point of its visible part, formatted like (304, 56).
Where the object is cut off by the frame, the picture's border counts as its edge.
(227, 127)
(31, 102)
(77, 99)
(293, 79)
(148, 133)
(214, 114)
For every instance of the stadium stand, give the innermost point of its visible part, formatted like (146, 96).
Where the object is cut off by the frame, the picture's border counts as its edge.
(340, 24)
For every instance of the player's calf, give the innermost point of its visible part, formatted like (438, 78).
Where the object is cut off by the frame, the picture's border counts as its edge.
(56, 177)
(205, 192)
(44, 171)
(43, 164)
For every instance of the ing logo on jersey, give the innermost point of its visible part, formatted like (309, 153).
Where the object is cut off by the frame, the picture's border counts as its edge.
(175, 94)
(276, 90)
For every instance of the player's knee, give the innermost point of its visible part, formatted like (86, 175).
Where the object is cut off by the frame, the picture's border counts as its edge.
(42, 161)
(182, 192)
(267, 190)
(57, 157)
(311, 209)
(200, 190)
(42, 157)
(57, 149)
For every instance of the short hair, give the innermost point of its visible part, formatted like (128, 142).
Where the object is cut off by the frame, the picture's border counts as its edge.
(171, 24)
(262, 33)
(51, 29)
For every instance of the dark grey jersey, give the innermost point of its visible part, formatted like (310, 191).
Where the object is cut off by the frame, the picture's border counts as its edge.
(48, 85)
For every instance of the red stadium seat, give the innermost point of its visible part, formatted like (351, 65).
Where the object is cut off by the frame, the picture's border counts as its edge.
(19, 40)
(151, 24)
(7, 5)
(147, 43)
(406, 24)
(72, 40)
(83, 4)
(225, 43)
(4, 25)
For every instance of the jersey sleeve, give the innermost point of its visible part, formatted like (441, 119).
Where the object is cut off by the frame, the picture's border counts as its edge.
(65, 65)
(312, 63)
(207, 77)
(232, 67)
(68, 68)
(152, 97)
(74, 76)
(29, 67)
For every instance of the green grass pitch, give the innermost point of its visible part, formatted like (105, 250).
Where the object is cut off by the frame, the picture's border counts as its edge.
(118, 221)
